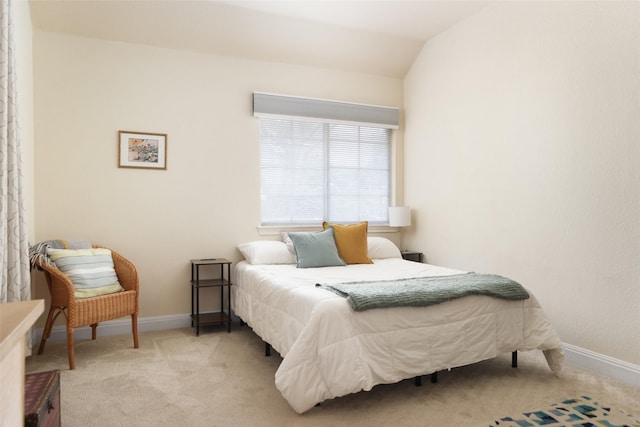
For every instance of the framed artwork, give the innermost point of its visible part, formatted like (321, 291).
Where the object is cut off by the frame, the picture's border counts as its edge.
(142, 150)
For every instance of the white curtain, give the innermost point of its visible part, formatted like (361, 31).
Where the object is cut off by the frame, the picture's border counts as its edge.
(14, 244)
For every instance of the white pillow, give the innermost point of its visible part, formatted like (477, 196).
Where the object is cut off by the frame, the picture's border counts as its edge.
(381, 247)
(287, 241)
(266, 252)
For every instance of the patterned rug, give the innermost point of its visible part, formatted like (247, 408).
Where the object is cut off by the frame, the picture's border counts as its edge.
(579, 412)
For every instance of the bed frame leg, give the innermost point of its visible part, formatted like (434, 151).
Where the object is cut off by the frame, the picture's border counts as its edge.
(267, 349)
(418, 380)
(514, 359)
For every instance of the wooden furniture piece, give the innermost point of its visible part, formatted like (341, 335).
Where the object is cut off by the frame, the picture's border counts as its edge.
(222, 281)
(90, 311)
(15, 320)
(412, 256)
(42, 399)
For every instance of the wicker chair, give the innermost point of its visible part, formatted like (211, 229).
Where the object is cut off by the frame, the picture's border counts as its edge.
(90, 311)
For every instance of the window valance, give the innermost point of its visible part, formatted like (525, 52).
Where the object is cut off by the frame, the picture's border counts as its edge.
(270, 105)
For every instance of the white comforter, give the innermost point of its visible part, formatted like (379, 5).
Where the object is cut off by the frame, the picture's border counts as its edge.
(329, 350)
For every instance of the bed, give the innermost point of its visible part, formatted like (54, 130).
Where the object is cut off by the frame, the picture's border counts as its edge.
(331, 350)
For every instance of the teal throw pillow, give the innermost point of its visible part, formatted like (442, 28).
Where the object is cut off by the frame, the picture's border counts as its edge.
(316, 249)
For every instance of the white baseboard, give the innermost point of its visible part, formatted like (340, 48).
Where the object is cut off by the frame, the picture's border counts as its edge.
(616, 369)
(117, 327)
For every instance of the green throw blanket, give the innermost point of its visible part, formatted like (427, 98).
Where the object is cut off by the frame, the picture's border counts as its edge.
(423, 291)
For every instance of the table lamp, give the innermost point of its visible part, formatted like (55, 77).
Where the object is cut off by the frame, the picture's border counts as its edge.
(400, 216)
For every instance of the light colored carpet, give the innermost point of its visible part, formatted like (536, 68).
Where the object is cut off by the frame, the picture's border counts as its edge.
(216, 379)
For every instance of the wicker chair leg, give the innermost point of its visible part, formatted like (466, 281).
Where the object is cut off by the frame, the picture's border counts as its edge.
(47, 330)
(93, 331)
(134, 329)
(70, 352)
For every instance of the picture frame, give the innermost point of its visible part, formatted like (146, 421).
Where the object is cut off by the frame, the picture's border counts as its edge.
(142, 150)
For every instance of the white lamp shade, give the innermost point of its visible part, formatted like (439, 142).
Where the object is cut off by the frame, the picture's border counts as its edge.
(399, 216)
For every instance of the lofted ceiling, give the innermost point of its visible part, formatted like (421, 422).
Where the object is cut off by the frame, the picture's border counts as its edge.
(380, 37)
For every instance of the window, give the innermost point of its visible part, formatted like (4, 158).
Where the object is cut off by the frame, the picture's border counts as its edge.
(323, 160)
(313, 171)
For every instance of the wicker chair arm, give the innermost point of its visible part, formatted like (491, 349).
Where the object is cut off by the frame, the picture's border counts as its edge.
(125, 270)
(60, 286)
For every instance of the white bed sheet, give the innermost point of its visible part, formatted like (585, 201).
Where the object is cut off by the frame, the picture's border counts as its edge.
(329, 350)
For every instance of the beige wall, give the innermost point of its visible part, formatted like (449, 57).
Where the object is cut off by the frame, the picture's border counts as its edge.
(208, 199)
(522, 140)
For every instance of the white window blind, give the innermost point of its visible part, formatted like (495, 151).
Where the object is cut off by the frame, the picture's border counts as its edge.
(323, 160)
(315, 171)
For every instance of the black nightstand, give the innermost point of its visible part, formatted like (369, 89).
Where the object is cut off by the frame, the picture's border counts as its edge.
(210, 318)
(412, 256)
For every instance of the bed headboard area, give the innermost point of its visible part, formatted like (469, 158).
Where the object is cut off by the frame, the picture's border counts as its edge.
(317, 249)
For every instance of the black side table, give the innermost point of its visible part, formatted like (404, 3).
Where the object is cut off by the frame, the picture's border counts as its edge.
(412, 256)
(222, 282)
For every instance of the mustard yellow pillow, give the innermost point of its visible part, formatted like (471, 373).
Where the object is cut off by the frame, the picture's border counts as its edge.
(351, 241)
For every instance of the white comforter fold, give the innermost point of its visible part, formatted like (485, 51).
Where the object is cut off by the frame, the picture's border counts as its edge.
(329, 350)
